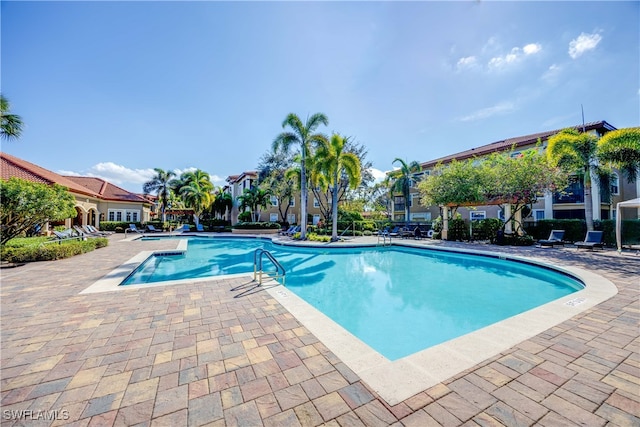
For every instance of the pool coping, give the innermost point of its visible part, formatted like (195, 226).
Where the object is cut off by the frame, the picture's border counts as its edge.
(396, 381)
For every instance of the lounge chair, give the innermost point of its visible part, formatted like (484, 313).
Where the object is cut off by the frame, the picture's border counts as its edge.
(152, 229)
(286, 232)
(556, 237)
(92, 229)
(132, 227)
(405, 233)
(295, 230)
(592, 240)
(199, 227)
(185, 227)
(394, 232)
(66, 234)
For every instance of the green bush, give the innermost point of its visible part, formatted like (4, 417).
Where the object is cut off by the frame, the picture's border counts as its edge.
(118, 226)
(51, 251)
(458, 230)
(317, 238)
(256, 225)
(487, 229)
(244, 216)
(575, 230)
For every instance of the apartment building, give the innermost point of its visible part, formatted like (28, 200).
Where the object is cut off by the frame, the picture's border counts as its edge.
(562, 205)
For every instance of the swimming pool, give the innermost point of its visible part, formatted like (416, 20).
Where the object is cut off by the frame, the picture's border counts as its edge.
(397, 300)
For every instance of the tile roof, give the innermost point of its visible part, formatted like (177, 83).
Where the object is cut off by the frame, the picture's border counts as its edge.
(106, 190)
(11, 166)
(506, 144)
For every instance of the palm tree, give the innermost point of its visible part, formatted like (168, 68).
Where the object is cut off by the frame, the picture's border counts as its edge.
(302, 134)
(196, 191)
(576, 152)
(621, 148)
(337, 165)
(401, 181)
(160, 184)
(222, 202)
(254, 198)
(11, 124)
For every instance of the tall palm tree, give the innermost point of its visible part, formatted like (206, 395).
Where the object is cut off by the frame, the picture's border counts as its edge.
(222, 202)
(11, 124)
(303, 135)
(621, 148)
(160, 184)
(336, 166)
(196, 191)
(401, 180)
(576, 152)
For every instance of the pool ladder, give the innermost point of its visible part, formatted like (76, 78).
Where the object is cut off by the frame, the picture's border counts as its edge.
(258, 271)
(386, 239)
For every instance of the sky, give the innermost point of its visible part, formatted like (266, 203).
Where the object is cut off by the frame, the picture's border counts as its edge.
(115, 89)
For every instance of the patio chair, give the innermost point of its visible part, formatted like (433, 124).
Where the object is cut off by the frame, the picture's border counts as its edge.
(199, 227)
(132, 227)
(405, 233)
(394, 232)
(92, 229)
(286, 232)
(556, 237)
(152, 229)
(592, 240)
(295, 230)
(184, 228)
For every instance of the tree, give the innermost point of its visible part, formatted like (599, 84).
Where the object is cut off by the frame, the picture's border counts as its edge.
(272, 175)
(222, 203)
(402, 179)
(11, 124)
(621, 149)
(26, 204)
(337, 166)
(161, 184)
(254, 198)
(519, 180)
(455, 184)
(196, 190)
(576, 152)
(302, 135)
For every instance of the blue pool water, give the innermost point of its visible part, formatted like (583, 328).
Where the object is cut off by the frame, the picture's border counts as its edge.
(398, 300)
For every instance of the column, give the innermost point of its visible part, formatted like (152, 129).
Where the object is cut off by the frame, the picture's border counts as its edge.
(548, 204)
(595, 197)
(445, 223)
(508, 229)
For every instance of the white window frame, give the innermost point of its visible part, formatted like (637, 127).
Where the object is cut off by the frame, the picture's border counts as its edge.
(316, 203)
(535, 213)
(273, 217)
(124, 215)
(420, 216)
(473, 214)
(291, 218)
(274, 201)
(292, 202)
(615, 184)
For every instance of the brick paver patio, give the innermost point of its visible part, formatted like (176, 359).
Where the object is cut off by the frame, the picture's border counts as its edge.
(194, 355)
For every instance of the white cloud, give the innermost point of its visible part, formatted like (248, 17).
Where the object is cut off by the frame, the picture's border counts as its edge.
(467, 62)
(378, 175)
(501, 108)
(552, 73)
(582, 44)
(515, 55)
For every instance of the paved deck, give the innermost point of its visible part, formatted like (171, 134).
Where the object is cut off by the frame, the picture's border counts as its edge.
(193, 354)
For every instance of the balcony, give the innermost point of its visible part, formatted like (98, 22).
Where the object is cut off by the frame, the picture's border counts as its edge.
(574, 193)
(398, 207)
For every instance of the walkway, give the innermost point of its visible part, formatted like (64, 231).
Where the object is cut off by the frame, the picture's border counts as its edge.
(194, 355)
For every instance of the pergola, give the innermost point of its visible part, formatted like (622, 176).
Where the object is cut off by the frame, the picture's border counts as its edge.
(633, 203)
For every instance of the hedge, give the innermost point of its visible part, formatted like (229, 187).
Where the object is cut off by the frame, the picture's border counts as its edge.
(51, 251)
(256, 225)
(576, 229)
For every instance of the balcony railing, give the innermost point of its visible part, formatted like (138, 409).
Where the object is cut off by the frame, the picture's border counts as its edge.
(398, 206)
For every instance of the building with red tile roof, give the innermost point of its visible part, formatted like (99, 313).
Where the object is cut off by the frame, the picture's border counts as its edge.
(96, 199)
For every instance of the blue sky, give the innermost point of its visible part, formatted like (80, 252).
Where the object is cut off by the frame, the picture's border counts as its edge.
(114, 89)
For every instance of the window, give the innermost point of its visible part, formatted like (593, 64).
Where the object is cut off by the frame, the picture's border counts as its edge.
(273, 217)
(615, 184)
(118, 215)
(291, 218)
(477, 215)
(128, 215)
(112, 216)
(274, 201)
(420, 216)
(538, 214)
(292, 202)
(316, 218)
(316, 204)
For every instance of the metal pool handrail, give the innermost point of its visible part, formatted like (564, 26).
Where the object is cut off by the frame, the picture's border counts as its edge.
(258, 272)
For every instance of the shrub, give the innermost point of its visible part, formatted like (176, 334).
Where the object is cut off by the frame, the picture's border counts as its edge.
(117, 226)
(316, 238)
(244, 216)
(458, 230)
(256, 225)
(51, 251)
(367, 233)
(487, 229)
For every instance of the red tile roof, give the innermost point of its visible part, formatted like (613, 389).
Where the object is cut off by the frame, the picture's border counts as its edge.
(518, 141)
(11, 166)
(106, 190)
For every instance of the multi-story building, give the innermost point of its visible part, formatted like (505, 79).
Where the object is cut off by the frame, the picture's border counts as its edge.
(562, 205)
(236, 184)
